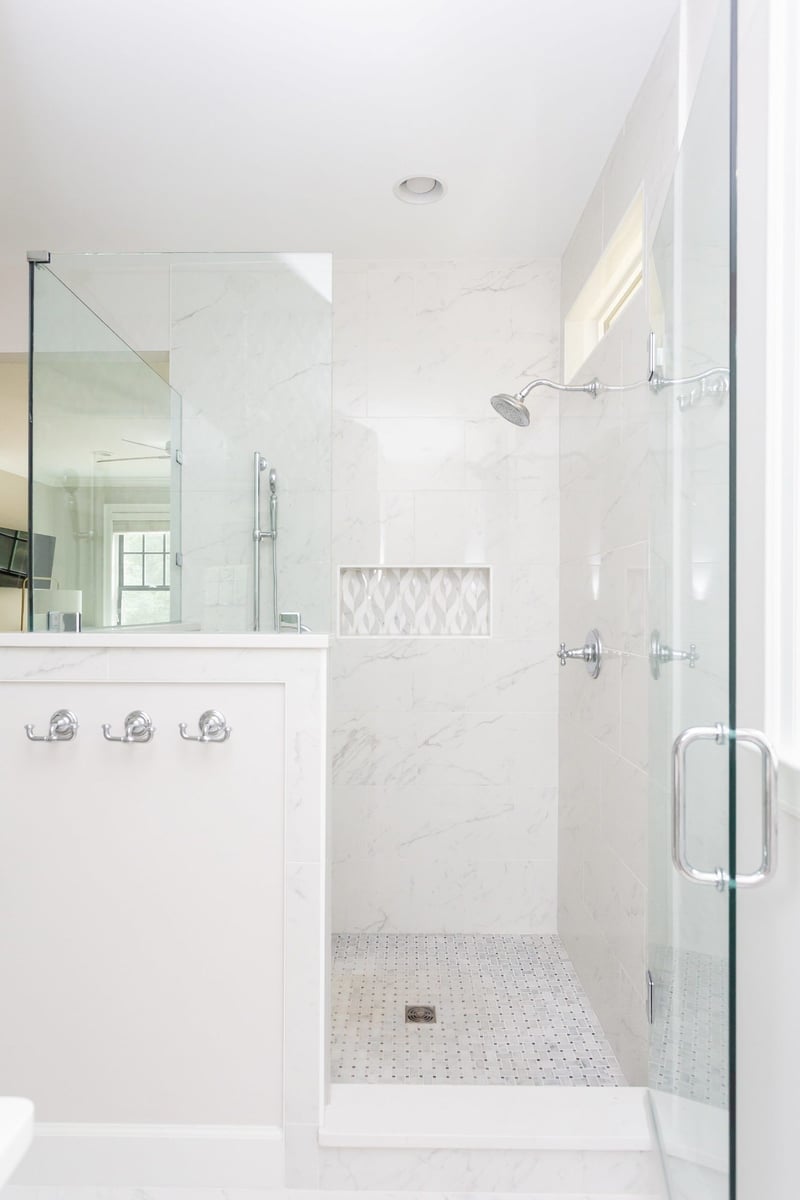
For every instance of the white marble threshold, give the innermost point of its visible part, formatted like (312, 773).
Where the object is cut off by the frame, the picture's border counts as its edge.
(488, 1117)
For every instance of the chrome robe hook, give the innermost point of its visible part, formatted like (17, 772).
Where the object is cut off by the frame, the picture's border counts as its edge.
(63, 728)
(213, 728)
(138, 728)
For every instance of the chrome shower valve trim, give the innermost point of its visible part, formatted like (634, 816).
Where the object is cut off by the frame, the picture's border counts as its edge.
(661, 654)
(591, 653)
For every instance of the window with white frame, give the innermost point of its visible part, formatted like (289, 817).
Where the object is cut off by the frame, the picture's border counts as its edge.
(141, 579)
(615, 280)
(137, 556)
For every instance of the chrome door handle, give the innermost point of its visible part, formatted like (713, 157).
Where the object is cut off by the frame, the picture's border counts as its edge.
(769, 810)
(721, 735)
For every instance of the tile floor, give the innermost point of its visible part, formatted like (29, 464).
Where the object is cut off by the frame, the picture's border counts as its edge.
(509, 1010)
(689, 1044)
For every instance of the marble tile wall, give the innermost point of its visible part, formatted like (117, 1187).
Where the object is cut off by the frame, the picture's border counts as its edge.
(605, 551)
(250, 357)
(444, 750)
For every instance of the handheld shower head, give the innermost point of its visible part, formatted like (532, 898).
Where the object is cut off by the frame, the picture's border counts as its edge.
(512, 408)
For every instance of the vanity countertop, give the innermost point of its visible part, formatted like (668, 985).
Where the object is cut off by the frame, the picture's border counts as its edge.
(167, 641)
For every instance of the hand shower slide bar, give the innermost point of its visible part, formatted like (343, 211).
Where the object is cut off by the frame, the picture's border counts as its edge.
(260, 465)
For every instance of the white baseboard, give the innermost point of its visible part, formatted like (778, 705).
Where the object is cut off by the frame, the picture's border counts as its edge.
(211, 1156)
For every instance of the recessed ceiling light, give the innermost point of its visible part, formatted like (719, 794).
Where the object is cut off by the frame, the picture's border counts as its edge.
(419, 189)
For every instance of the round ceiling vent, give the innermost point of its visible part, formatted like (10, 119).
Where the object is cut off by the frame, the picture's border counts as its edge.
(419, 189)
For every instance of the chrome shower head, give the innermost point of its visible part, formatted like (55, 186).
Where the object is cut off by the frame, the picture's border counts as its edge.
(512, 408)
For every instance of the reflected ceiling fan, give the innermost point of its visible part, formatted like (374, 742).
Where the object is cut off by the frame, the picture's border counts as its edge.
(104, 456)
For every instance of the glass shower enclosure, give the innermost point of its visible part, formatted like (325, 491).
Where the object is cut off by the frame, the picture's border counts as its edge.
(155, 379)
(712, 815)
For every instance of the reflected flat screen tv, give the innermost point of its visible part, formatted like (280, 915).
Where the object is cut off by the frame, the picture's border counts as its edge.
(14, 558)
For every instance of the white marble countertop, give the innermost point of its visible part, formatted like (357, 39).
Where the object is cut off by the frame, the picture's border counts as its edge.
(16, 1133)
(167, 641)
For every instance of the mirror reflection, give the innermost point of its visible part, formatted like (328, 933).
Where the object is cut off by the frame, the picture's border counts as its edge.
(156, 383)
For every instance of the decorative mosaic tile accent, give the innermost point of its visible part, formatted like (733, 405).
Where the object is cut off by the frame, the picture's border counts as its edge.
(689, 1043)
(508, 1010)
(414, 601)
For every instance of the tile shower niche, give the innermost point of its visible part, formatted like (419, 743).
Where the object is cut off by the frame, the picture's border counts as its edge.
(414, 601)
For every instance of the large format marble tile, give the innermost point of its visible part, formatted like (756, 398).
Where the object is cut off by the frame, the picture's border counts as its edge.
(443, 749)
(444, 772)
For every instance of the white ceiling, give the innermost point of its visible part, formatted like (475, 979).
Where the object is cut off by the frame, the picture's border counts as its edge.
(283, 124)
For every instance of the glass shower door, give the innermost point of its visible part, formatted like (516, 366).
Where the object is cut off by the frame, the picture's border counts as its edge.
(691, 921)
(693, 762)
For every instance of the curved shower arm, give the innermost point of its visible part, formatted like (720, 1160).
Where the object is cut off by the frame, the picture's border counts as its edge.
(514, 409)
(592, 387)
(596, 388)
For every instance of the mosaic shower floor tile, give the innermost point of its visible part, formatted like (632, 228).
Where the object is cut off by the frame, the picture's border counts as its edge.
(689, 1046)
(508, 1010)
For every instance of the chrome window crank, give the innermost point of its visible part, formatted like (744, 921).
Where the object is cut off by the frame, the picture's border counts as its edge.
(63, 728)
(138, 728)
(213, 728)
(591, 653)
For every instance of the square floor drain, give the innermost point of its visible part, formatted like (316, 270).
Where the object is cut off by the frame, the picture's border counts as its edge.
(420, 1014)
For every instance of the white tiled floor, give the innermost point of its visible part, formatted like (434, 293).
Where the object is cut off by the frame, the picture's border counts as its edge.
(509, 1010)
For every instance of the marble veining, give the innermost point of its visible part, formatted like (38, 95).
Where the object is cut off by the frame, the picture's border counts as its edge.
(250, 355)
(444, 746)
(606, 516)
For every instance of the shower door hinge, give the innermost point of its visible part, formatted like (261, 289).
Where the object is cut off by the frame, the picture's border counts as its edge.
(38, 256)
(650, 997)
(179, 457)
(178, 559)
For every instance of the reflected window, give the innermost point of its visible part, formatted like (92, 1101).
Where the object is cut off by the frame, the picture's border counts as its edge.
(142, 559)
